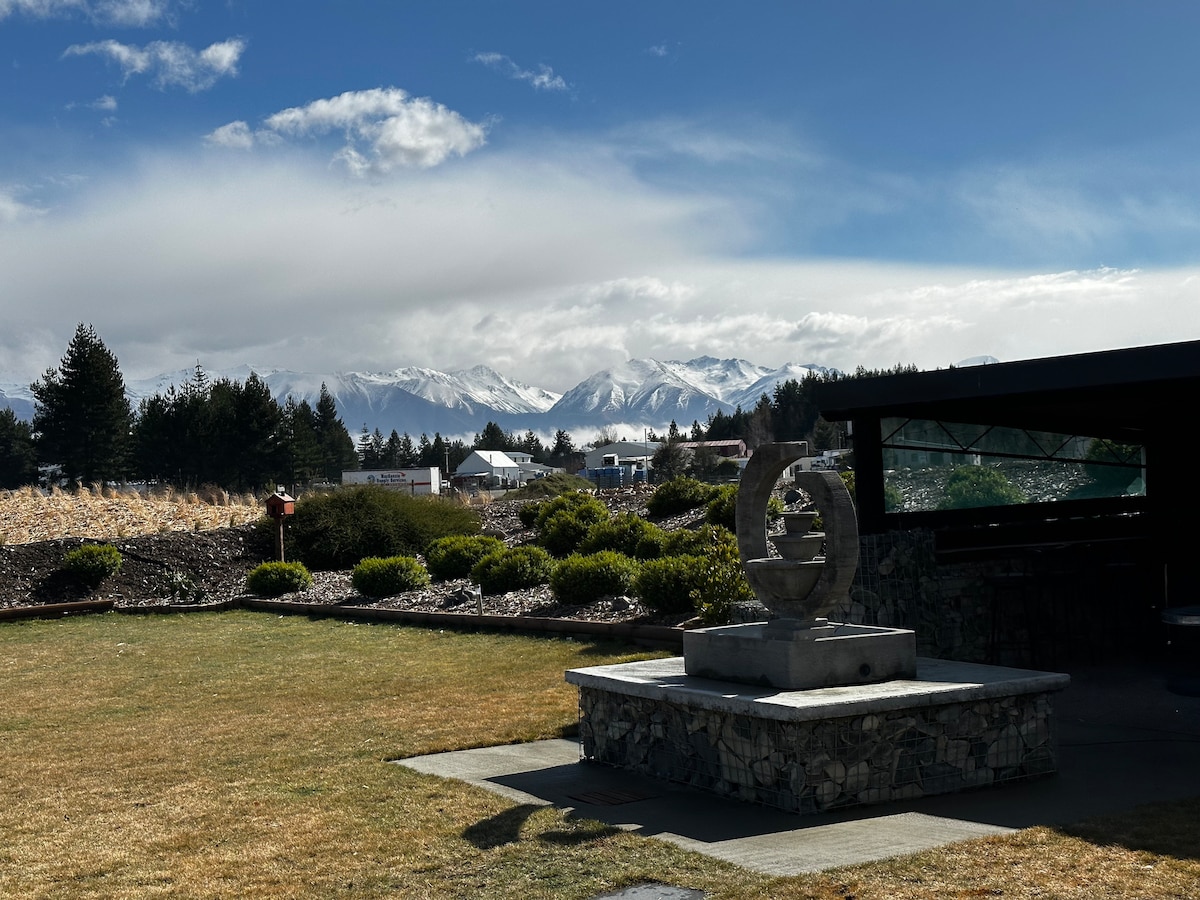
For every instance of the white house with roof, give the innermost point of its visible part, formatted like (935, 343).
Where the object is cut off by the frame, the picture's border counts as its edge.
(492, 468)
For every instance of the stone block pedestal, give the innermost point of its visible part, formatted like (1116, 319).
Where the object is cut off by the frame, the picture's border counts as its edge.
(954, 726)
(782, 654)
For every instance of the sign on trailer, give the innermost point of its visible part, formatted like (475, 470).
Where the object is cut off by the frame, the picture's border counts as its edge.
(413, 481)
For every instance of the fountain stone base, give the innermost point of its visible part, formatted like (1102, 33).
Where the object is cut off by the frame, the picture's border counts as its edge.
(787, 655)
(953, 727)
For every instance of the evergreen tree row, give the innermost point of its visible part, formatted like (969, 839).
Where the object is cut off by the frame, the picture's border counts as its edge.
(236, 435)
(228, 433)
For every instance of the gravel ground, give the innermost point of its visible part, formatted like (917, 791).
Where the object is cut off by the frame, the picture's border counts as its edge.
(210, 567)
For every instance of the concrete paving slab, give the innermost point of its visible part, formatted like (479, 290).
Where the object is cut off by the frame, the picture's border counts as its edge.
(1123, 740)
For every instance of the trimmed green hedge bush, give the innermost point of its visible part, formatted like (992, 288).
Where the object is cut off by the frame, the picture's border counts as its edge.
(666, 585)
(378, 577)
(455, 556)
(513, 570)
(678, 495)
(585, 579)
(550, 486)
(337, 529)
(969, 487)
(627, 533)
(722, 508)
(92, 563)
(272, 579)
(563, 522)
(700, 542)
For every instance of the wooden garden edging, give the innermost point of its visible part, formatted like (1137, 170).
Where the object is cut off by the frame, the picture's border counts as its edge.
(54, 610)
(657, 636)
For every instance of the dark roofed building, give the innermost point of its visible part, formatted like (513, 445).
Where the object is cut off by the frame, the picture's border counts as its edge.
(1096, 455)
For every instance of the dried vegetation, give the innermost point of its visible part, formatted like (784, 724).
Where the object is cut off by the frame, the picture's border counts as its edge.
(28, 515)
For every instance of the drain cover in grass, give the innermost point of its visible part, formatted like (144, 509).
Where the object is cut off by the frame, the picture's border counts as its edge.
(653, 892)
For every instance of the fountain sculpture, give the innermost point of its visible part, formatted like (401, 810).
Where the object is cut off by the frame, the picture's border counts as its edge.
(805, 714)
(798, 648)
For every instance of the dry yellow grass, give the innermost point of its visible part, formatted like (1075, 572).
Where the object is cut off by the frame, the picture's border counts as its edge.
(28, 515)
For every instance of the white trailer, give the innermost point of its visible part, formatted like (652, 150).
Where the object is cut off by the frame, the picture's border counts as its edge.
(411, 481)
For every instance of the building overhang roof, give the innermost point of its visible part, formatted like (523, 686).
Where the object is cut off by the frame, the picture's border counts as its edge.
(1119, 394)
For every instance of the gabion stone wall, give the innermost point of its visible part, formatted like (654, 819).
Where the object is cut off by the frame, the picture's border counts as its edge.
(810, 766)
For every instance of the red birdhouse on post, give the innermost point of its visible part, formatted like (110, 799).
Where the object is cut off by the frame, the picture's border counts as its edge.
(280, 505)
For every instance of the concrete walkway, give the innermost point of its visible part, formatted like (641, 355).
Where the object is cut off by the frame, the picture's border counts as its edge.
(1123, 740)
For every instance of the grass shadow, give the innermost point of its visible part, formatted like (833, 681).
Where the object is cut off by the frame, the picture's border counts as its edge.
(587, 830)
(500, 829)
(1168, 829)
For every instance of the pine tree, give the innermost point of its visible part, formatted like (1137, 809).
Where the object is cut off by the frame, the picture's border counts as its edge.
(300, 449)
(493, 437)
(337, 447)
(18, 465)
(391, 451)
(564, 454)
(82, 418)
(408, 451)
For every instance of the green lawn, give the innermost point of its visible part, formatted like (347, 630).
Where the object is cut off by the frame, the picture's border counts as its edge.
(243, 754)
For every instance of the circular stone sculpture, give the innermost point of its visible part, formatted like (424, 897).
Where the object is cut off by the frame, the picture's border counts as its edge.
(804, 591)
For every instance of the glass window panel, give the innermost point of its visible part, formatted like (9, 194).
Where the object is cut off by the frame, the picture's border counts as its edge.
(1004, 466)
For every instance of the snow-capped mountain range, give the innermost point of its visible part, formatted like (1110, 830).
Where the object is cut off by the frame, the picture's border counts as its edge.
(641, 393)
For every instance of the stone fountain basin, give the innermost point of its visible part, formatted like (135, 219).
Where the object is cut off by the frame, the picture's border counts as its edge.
(798, 547)
(783, 586)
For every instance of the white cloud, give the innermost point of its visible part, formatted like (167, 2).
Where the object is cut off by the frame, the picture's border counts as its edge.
(547, 263)
(13, 210)
(384, 129)
(107, 103)
(172, 64)
(543, 79)
(235, 136)
(135, 13)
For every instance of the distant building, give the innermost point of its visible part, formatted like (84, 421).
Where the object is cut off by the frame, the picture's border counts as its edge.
(621, 453)
(730, 449)
(491, 469)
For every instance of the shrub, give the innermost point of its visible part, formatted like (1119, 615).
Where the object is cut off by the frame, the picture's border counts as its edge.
(551, 486)
(1112, 480)
(704, 539)
(627, 533)
(335, 530)
(563, 522)
(513, 570)
(179, 587)
(666, 585)
(455, 556)
(377, 577)
(678, 495)
(722, 508)
(92, 563)
(720, 585)
(585, 579)
(271, 579)
(974, 486)
(528, 514)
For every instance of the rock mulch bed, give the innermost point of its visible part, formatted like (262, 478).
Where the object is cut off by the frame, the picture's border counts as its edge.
(180, 568)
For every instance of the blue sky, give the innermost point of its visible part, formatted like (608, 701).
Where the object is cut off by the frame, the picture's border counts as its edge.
(550, 188)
